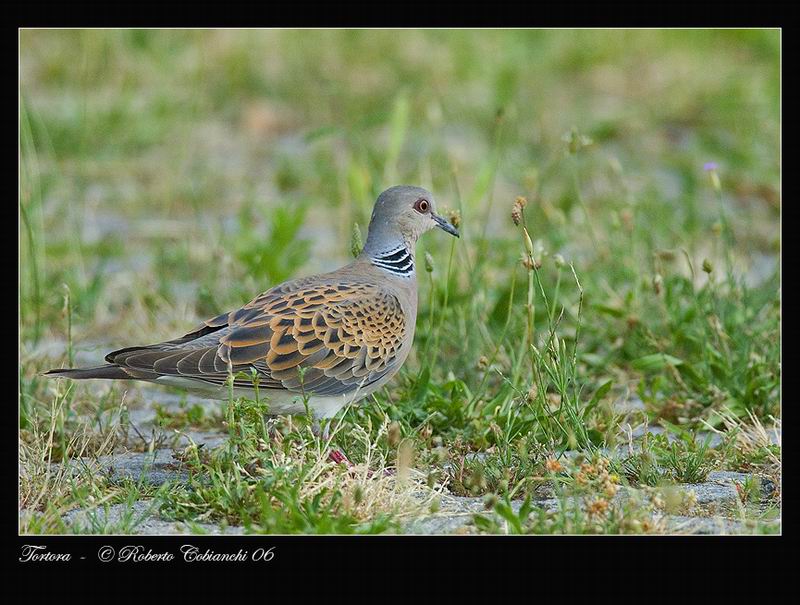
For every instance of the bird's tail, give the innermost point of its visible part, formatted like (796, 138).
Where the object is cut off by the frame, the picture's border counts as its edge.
(108, 372)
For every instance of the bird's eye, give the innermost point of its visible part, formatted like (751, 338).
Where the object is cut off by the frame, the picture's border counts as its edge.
(422, 206)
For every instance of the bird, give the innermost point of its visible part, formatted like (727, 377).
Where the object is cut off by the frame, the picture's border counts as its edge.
(326, 341)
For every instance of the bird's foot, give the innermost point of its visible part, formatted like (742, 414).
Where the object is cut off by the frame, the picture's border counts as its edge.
(338, 457)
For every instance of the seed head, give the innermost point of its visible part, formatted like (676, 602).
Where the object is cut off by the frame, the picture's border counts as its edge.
(529, 264)
(455, 218)
(634, 525)
(657, 500)
(658, 281)
(711, 169)
(428, 262)
(626, 216)
(394, 434)
(405, 457)
(425, 432)
(476, 480)
(516, 211)
(576, 141)
(356, 243)
(572, 440)
(553, 465)
(609, 489)
(707, 266)
(598, 507)
(528, 242)
(358, 495)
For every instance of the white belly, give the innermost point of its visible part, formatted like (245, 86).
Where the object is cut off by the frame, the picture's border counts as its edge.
(279, 402)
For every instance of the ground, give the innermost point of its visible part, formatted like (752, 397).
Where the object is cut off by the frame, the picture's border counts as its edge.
(598, 353)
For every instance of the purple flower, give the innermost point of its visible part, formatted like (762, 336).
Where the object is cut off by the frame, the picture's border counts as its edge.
(709, 166)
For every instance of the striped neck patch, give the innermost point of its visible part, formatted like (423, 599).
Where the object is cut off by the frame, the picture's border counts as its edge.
(398, 261)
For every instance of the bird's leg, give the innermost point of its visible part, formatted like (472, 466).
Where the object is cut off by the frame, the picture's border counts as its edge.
(338, 457)
(320, 432)
(334, 455)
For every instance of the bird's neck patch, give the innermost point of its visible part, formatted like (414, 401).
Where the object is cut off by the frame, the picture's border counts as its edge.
(397, 261)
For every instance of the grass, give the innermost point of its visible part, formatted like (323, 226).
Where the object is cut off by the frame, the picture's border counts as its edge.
(283, 483)
(170, 176)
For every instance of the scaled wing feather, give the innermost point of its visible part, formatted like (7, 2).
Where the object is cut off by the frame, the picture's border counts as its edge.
(318, 336)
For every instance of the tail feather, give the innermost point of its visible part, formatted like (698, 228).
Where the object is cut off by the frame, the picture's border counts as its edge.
(109, 372)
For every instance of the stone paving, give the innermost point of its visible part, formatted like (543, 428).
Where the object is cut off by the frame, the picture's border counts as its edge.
(714, 512)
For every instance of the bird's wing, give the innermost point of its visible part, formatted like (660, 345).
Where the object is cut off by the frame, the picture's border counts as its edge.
(324, 337)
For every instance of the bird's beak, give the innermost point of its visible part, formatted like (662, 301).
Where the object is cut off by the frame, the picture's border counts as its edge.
(444, 225)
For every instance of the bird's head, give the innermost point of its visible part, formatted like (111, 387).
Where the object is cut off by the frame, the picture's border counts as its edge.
(401, 215)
